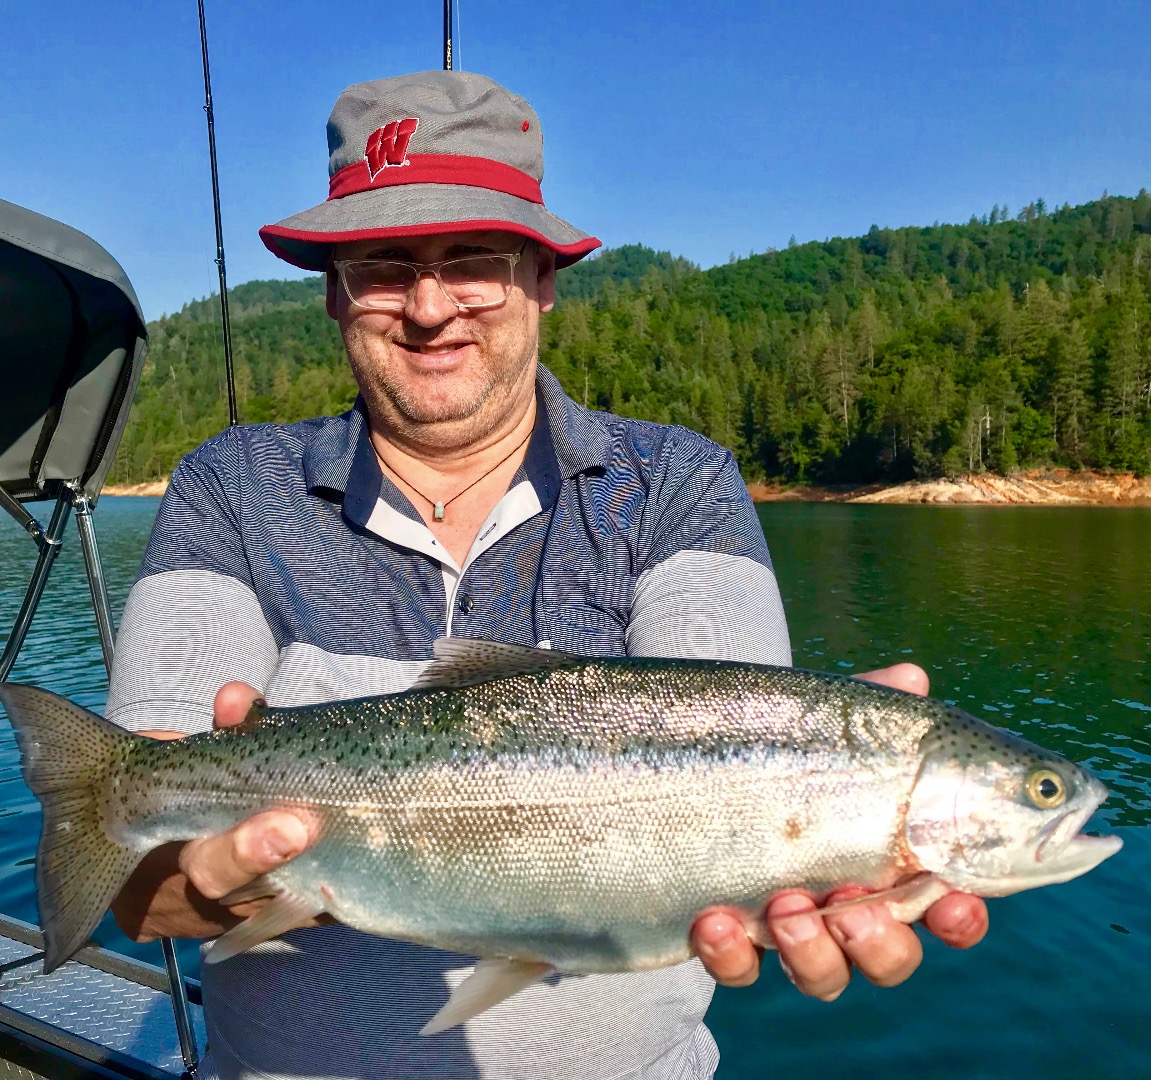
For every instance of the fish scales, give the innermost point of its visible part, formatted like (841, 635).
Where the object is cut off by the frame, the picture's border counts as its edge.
(563, 813)
(512, 810)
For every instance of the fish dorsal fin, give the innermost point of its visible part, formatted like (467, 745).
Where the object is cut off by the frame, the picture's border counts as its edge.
(492, 981)
(467, 661)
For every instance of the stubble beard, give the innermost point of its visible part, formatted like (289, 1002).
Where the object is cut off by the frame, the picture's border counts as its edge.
(450, 409)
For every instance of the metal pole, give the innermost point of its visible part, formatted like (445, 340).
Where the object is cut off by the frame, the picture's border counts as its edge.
(96, 583)
(16, 508)
(184, 1030)
(225, 321)
(103, 608)
(49, 542)
(448, 35)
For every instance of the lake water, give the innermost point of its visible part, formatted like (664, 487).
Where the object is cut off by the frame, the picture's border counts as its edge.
(1033, 618)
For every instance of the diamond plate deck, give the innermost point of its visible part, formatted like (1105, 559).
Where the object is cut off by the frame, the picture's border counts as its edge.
(108, 1010)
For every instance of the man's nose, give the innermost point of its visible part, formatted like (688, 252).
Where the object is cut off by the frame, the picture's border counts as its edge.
(426, 304)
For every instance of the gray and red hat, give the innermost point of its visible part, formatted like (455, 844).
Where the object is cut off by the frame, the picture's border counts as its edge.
(442, 151)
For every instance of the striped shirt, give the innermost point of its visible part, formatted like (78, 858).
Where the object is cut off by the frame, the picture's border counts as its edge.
(281, 556)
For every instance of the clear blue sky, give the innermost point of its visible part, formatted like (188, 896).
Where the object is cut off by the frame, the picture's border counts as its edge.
(703, 129)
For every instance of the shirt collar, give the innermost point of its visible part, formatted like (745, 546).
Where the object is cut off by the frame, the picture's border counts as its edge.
(340, 460)
(580, 442)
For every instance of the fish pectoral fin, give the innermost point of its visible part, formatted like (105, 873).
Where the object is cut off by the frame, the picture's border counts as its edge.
(907, 901)
(923, 891)
(492, 981)
(285, 913)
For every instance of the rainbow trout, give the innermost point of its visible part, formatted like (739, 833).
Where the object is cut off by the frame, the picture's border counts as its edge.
(548, 812)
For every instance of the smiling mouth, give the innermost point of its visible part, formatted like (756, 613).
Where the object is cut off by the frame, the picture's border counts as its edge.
(433, 350)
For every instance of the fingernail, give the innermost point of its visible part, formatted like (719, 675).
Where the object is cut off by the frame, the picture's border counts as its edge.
(718, 940)
(791, 921)
(278, 846)
(855, 926)
(963, 930)
(797, 929)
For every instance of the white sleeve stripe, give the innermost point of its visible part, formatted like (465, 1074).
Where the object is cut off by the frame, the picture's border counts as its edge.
(169, 660)
(708, 604)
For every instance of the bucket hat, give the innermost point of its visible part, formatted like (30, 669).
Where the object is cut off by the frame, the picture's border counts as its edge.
(440, 151)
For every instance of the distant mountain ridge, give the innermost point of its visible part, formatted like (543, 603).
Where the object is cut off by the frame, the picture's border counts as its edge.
(1010, 341)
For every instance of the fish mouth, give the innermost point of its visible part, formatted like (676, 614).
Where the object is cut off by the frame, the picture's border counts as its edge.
(1064, 852)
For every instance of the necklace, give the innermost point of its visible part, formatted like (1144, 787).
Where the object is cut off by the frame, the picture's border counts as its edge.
(439, 506)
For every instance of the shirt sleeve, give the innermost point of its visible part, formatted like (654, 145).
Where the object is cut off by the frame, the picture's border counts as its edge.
(192, 621)
(707, 587)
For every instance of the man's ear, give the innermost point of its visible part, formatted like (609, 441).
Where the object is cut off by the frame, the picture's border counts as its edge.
(545, 277)
(333, 285)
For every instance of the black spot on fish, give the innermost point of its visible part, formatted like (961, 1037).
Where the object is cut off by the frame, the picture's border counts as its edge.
(1119, 929)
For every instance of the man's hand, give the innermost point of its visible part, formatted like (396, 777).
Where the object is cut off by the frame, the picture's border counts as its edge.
(175, 890)
(818, 953)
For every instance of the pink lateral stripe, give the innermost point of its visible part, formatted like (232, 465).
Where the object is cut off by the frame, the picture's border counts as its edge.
(438, 169)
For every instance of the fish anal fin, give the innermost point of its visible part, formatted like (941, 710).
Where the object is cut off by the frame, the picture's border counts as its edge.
(285, 913)
(492, 981)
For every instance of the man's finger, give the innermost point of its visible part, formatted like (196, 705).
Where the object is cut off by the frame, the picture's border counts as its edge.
(216, 865)
(909, 677)
(959, 920)
(884, 950)
(721, 943)
(233, 700)
(808, 953)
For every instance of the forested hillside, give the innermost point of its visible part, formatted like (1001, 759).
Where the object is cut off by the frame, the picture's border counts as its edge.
(1011, 341)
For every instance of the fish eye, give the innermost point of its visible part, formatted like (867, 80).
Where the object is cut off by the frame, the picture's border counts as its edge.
(1046, 789)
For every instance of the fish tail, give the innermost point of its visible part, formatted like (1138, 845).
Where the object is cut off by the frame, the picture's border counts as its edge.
(69, 757)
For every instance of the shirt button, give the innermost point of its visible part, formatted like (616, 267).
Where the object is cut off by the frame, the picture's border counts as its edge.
(465, 604)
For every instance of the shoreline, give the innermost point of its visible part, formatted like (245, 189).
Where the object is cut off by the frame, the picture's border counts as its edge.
(1037, 487)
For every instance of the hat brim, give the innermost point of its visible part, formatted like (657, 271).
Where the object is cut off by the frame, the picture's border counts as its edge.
(305, 240)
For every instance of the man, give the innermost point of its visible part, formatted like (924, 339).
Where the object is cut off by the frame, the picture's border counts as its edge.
(465, 494)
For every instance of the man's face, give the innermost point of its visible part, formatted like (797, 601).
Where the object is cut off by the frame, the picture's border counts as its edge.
(435, 373)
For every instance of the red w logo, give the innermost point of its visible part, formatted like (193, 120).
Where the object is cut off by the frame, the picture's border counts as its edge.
(388, 146)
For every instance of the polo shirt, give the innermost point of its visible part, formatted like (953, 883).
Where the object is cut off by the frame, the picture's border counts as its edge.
(283, 557)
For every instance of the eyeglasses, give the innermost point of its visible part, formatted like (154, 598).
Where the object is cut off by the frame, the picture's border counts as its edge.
(471, 282)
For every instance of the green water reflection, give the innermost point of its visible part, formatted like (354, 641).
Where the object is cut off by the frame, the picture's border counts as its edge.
(1035, 619)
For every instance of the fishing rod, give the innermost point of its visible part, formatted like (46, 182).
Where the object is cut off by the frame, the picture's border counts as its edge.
(176, 983)
(448, 35)
(225, 321)
(177, 988)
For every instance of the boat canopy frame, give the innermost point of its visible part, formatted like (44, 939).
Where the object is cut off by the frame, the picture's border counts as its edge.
(72, 348)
